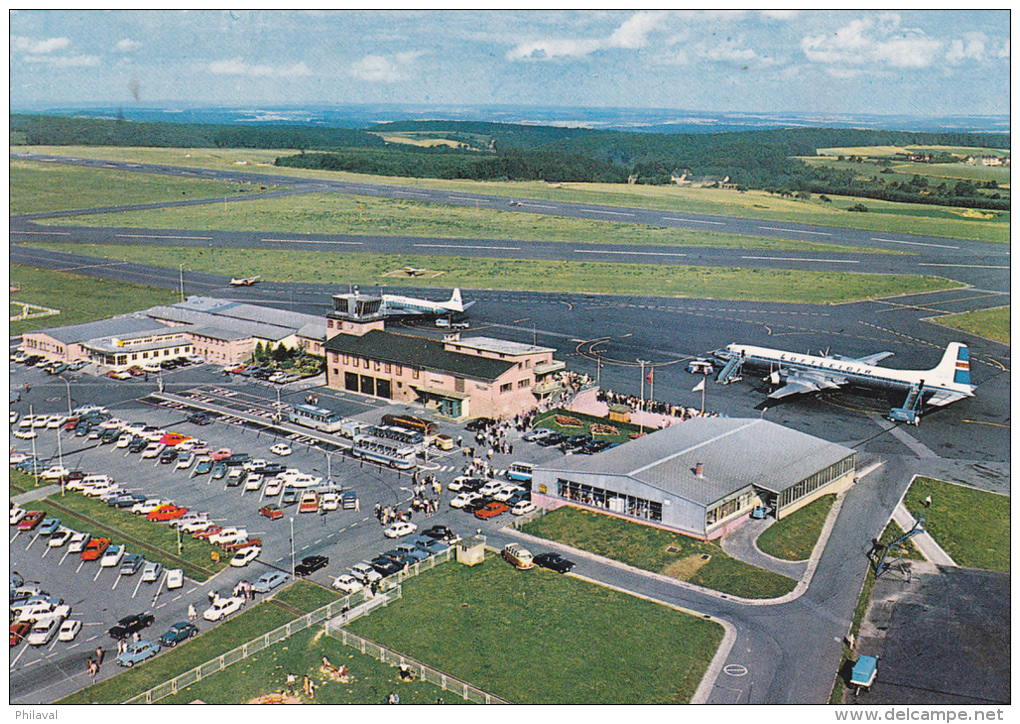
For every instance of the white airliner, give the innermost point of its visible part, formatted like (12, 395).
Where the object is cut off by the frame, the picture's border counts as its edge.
(397, 304)
(802, 373)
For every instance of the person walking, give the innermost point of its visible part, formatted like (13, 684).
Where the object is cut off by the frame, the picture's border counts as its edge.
(192, 613)
(99, 655)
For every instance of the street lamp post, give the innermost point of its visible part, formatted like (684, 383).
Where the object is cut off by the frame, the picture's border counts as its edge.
(642, 362)
(293, 569)
(182, 281)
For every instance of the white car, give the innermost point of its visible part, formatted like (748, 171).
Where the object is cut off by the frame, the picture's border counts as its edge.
(154, 449)
(60, 537)
(78, 542)
(151, 367)
(228, 536)
(55, 472)
(329, 501)
(254, 466)
(195, 525)
(112, 423)
(399, 530)
(253, 482)
(18, 457)
(490, 488)
(184, 461)
(273, 488)
(69, 629)
(53, 422)
(174, 578)
(25, 433)
(304, 481)
(506, 492)
(27, 421)
(148, 506)
(463, 499)
(17, 513)
(245, 556)
(44, 630)
(40, 421)
(365, 573)
(124, 440)
(223, 607)
(348, 583)
(113, 556)
(523, 508)
(100, 489)
(281, 449)
(14, 416)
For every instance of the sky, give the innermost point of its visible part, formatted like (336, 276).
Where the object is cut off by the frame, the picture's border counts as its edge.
(849, 62)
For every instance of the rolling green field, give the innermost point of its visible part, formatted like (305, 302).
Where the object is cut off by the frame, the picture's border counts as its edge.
(988, 323)
(776, 285)
(972, 526)
(38, 187)
(537, 637)
(649, 548)
(79, 298)
(794, 537)
(920, 219)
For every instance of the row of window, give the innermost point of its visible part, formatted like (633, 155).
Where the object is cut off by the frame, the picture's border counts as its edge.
(812, 483)
(609, 500)
(725, 509)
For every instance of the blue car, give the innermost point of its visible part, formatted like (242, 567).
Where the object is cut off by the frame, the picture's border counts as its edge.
(268, 581)
(203, 467)
(181, 631)
(49, 526)
(137, 652)
(431, 546)
(412, 551)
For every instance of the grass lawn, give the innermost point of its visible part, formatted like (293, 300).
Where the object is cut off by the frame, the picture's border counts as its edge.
(646, 547)
(89, 299)
(370, 681)
(40, 187)
(172, 662)
(767, 285)
(536, 637)
(155, 541)
(794, 537)
(549, 420)
(922, 219)
(307, 596)
(989, 323)
(972, 526)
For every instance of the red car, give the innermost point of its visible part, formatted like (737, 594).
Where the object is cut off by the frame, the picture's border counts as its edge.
(19, 631)
(95, 549)
(210, 531)
(72, 423)
(32, 520)
(242, 544)
(167, 512)
(173, 438)
(271, 511)
(491, 510)
(221, 454)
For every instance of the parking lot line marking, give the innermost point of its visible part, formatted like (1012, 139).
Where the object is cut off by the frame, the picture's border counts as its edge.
(45, 552)
(161, 605)
(92, 638)
(34, 539)
(137, 586)
(97, 574)
(73, 645)
(116, 582)
(20, 654)
(82, 563)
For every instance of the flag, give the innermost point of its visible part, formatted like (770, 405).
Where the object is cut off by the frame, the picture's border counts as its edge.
(699, 387)
(649, 378)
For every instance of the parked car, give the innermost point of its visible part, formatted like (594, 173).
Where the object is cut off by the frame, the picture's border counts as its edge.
(78, 542)
(222, 607)
(199, 418)
(49, 526)
(280, 449)
(290, 496)
(112, 557)
(400, 529)
(178, 633)
(347, 583)
(386, 566)
(555, 438)
(132, 562)
(491, 510)
(523, 508)
(440, 533)
(165, 513)
(554, 562)
(19, 631)
(132, 624)
(464, 499)
(184, 461)
(222, 454)
(17, 514)
(245, 556)
(219, 470)
(44, 630)
(174, 578)
(310, 564)
(271, 511)
(69, 629)
(466, 483)
(205, 465)
(60, 537)
(236, 476)
(479, 423)
(125, 500)
(151, 571)
(95, 549)
(31, 520)
(137, 445)
(518, 556)
(253, 482)
(410, 550)
(329, 501)
(137, 652)
(268, 581)
(147, 506)
(365, 573)
(349, 500)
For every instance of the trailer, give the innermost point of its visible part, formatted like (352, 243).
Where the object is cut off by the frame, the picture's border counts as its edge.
(863, 674)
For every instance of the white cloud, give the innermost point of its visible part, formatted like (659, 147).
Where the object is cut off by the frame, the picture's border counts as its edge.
(1003, 52)
(634, 32)
(65, 61)
(973, 47)
(869, 41)
(35, 47)
(631, 35)
(729, 51)
(127, 45)
(384, 68)
(549, 49)
(236, 66)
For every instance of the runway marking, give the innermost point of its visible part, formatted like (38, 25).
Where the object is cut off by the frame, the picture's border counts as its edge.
(157, 236)
(465, 198)
(540, 206)
(790, 258)
(314, 241)
(635, 253)
(465, 246)
(693, 221)
(611, 213)
(915, 243)
(968, 266)
(795, 231)
(993, 424)
(44, 233)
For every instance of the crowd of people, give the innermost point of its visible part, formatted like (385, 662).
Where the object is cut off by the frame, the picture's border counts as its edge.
(649, 405)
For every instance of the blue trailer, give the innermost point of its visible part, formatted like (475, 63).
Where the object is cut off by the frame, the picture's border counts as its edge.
(863, 674)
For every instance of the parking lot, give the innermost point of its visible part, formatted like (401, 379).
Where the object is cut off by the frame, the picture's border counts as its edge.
(101, 596)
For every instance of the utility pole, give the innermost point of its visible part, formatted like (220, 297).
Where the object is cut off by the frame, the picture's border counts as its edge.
(293, 568)
(182, 281)
(642, 362)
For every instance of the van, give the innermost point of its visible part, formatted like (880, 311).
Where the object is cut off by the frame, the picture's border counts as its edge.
(443, 442)
(520, 558)
(309, 502)
(519, 472)
(443, 322)
(352, 428)
(490, 488)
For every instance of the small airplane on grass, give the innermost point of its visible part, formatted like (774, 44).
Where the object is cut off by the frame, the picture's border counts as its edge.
(244, 281)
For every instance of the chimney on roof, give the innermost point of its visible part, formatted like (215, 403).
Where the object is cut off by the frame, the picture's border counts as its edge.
(699, 470)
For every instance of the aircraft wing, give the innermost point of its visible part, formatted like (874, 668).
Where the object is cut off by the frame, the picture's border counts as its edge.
(799, 384)
(944, 397)
(874, 359)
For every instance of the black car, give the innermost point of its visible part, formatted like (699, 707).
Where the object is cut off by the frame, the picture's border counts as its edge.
(130, 624)
(236, 459)
(179, 632)
(199, 418)
(386, 566)
(479, 423)
(476, 505)
(401, 559)
(126, 500)
(595, 446)
(82, 429)
(310, 564)
(555, 439)
(138, 444)
(272, 469)
(575, 442)
(518, 497)
(439, 532)
(169, 456)
(554, 562)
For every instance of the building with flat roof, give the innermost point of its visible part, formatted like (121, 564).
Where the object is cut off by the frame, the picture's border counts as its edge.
(701, 477)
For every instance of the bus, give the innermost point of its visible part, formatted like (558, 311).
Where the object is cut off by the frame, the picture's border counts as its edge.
(425, 427)
(409, 438)
(519, 472)
(318, 418)
(382, 450)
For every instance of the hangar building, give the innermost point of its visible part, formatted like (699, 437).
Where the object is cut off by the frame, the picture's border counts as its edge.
(701, 477)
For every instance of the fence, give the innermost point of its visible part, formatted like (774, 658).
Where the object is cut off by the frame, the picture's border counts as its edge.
(348, 609)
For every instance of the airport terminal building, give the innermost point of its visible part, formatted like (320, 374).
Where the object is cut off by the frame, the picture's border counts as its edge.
(701, 477)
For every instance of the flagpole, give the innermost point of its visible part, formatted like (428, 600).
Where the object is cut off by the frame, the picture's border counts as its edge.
(703, 386)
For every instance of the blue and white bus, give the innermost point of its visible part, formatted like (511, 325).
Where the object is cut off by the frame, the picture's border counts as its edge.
(316, 417)
(519, 472)
(382, 450)
(409, 438)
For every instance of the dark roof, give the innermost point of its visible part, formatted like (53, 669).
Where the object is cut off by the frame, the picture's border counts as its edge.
(421, 352)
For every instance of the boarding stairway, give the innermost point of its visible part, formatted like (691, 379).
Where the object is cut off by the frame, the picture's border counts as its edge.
(910, 411)
(730, 371)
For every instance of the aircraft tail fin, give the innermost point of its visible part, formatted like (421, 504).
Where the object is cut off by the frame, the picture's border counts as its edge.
(456, 302)
(955, 364)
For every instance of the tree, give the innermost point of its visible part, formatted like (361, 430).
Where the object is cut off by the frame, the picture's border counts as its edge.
(281, 353)
(260, 351)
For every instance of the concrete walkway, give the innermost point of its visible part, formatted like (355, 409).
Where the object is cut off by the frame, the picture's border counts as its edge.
(740, 544)
(35, 494)
(924, 542)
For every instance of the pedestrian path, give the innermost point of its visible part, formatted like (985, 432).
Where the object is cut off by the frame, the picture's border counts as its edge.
(924, 542)
(741, 544)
